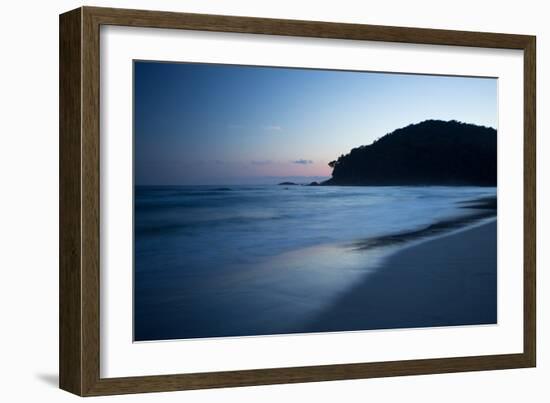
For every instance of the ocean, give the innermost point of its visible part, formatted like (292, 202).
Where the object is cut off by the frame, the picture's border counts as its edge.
(221, 261)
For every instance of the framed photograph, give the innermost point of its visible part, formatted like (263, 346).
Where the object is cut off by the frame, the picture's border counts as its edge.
(248, 201)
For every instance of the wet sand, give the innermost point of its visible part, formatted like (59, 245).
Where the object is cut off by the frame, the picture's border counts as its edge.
(450, 280)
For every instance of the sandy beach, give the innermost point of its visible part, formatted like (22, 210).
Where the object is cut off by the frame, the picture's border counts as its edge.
(450, 280)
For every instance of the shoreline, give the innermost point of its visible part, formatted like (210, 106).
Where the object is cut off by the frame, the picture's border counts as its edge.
(483, 209)
(297, 290)
(445, 281)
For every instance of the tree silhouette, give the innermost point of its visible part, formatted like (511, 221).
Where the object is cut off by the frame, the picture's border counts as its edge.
(432, 152)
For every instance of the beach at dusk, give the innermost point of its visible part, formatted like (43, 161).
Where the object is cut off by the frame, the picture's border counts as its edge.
(273, 201)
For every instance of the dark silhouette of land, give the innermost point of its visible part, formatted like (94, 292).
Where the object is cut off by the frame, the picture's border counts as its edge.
(433, 152)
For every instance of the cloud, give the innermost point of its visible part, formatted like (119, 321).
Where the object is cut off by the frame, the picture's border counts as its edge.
(269, 128)
(260, 162)
(302, 161)
(273, 128)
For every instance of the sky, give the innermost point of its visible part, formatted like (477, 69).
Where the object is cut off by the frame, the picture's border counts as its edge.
(212, 124)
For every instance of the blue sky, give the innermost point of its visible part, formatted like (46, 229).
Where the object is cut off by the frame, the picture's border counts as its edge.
(224, 124)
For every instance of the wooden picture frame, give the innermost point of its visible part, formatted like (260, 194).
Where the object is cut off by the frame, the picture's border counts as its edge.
(80, 184)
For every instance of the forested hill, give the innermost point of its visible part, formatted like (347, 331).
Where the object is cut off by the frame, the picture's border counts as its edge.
(433, 152)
